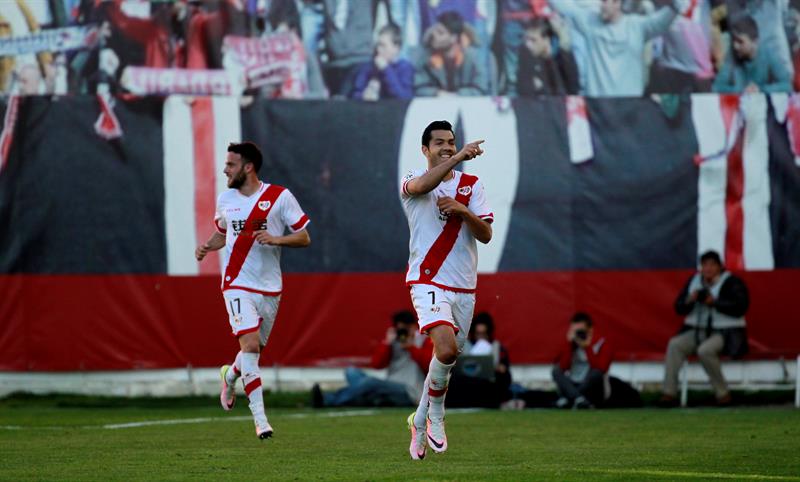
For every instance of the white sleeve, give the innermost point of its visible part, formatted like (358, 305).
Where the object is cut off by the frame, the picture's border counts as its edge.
(220, 224)
(292, 214)
(404, 180)
(478, 204)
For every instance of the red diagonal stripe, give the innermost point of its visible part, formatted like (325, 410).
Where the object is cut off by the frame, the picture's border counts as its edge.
(734, 191)
(245, 239)
(447, 239)
(252, 386)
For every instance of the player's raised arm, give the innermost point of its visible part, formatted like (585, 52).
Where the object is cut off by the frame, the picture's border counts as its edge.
(436, 174)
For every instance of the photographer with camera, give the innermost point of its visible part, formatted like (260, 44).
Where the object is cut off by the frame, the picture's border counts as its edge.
(581, 367)
(713, 302)
(404, 353)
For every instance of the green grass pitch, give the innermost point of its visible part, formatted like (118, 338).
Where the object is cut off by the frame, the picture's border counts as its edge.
(50, 439)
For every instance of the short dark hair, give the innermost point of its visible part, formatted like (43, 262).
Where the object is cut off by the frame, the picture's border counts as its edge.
(404, 316)
(745, 25)
(452, 21)
(484, 318)
(281, 11)
(441, 125)
(541, 25)
(394, 32)
(582, 317)
(711, 255)
(249, 152)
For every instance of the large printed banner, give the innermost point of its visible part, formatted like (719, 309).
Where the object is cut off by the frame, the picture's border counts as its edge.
(51, 40)
(99, 273)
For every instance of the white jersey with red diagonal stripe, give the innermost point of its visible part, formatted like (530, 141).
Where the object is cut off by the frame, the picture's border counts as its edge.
(258, 269)
(443, 253)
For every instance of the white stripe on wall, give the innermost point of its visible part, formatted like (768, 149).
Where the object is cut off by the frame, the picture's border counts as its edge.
(179, 186)
(757, 240)
(713, 178)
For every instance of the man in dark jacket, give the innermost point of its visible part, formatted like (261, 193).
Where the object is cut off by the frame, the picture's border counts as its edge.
(544, 67)
(714, 302)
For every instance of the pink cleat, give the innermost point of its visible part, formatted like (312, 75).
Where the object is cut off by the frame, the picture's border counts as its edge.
(227, 396)
(263, 430)
(436, 436)
(418, 445)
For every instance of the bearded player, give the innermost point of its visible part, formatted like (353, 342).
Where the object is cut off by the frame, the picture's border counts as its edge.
(446, 212)
(251, 222)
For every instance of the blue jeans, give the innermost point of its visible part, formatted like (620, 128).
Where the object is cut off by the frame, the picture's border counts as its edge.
(512, 40)
(363, 390)
(312, 22)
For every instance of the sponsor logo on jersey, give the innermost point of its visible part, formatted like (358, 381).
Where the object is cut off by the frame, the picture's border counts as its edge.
(264, 205)
(465, 191)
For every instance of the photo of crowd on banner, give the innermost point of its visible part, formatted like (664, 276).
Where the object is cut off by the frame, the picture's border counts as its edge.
(398, 49)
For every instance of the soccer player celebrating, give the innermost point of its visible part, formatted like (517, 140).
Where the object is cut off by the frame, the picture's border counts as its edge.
(251, 220)
(446, 212)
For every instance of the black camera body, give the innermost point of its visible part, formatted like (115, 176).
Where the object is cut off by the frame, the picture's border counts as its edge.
(581, 335)
(401, 334)
(702, 294)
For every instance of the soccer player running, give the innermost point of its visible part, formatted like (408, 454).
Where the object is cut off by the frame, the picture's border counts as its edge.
(251, 221)
(446, 212)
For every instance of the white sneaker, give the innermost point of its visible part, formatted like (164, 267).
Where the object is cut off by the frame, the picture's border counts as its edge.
(418, 445)
(436, 436)
(263, 429)
(227, 396)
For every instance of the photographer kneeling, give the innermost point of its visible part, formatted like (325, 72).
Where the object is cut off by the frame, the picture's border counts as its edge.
(581, 367)
(404, 353)
(714, 302)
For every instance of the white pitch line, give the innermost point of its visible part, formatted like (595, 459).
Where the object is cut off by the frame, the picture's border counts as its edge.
(703, 475)
(183, 421)
(176, 421)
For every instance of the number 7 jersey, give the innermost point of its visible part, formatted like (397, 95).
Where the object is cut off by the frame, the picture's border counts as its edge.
(442, 249)
(249, 265)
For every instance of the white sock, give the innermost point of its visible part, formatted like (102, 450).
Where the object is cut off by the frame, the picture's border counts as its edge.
(439, 374)
(422, 409)
(251, 376)
(235, 370)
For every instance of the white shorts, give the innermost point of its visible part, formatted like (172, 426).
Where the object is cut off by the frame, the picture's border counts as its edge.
(249, 312)
(436, 306)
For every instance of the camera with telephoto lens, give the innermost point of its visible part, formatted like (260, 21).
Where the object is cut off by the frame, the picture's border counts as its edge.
(402, 334)
(702, 294)
(581, 335)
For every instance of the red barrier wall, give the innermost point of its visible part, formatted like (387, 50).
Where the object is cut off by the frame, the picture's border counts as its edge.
(120, 322)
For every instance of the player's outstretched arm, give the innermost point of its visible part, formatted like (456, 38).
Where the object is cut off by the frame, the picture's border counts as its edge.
(215, 242)
(428, 181)
(300, 239)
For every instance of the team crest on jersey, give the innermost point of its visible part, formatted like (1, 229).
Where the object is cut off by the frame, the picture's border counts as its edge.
(464, 191)
(264, 205)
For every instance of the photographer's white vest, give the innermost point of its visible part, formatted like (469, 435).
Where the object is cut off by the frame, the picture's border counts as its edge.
(700, 312)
